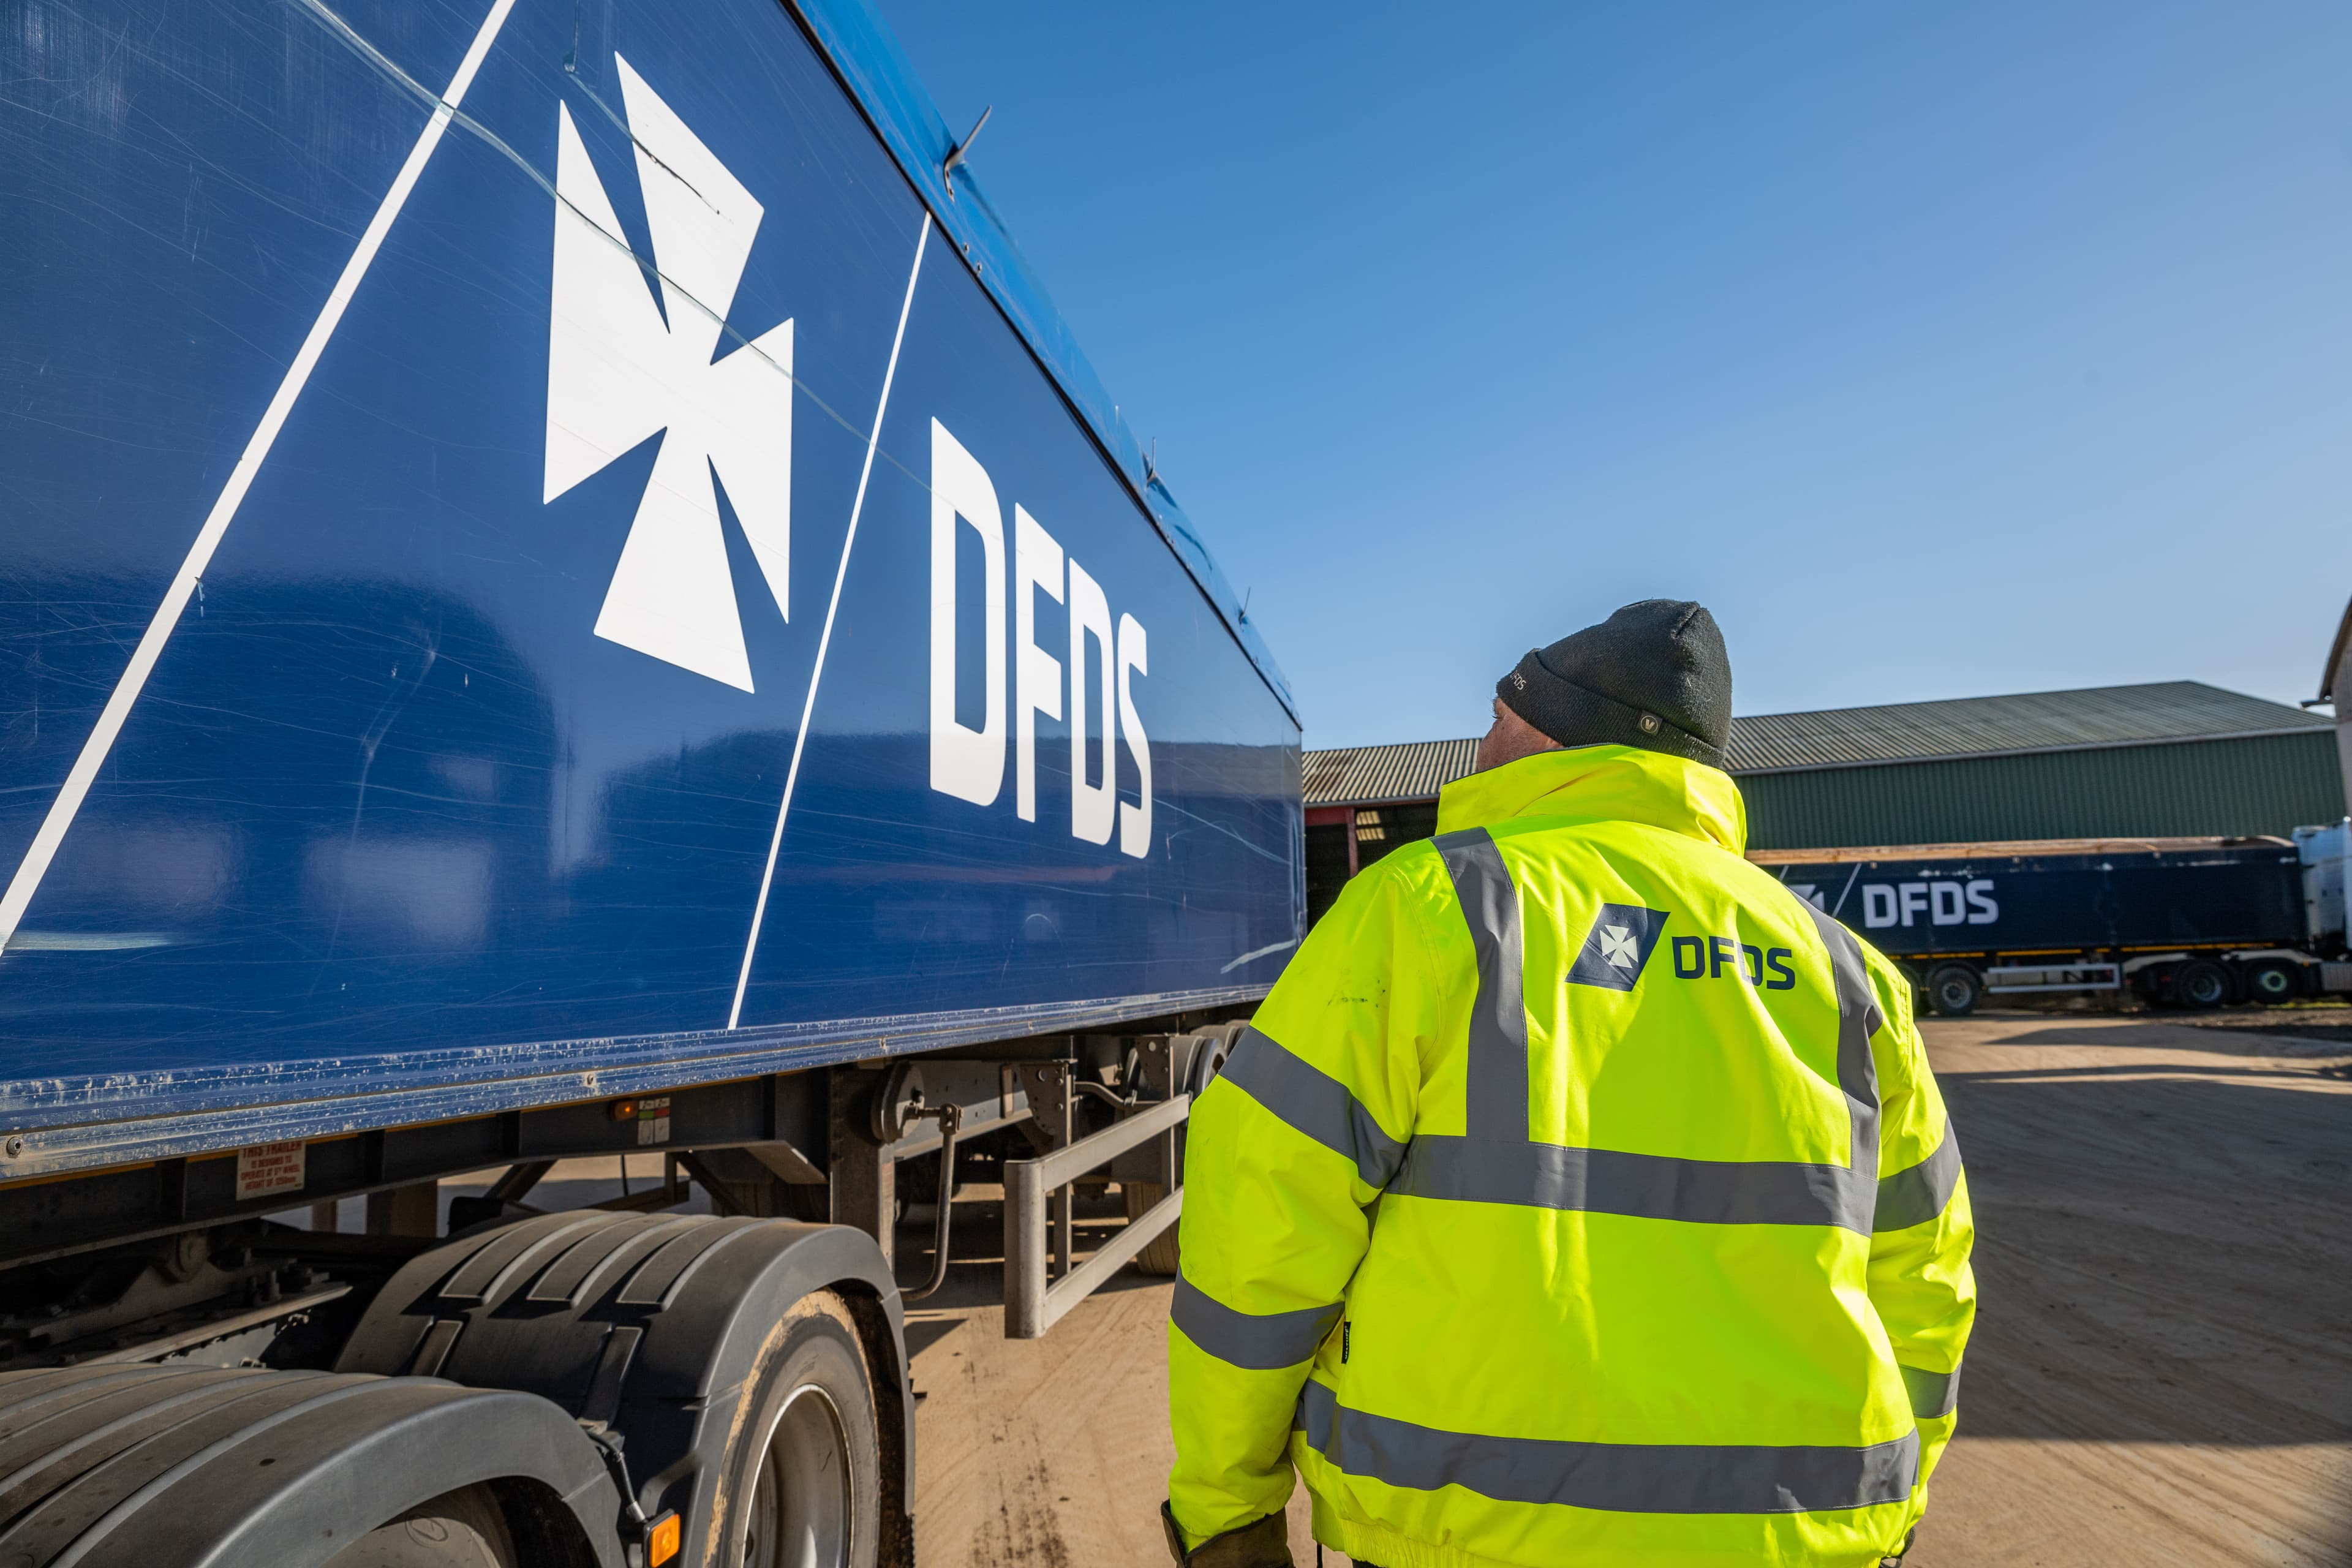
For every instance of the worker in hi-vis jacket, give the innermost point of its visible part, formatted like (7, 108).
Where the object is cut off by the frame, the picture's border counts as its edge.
(1582, 1194)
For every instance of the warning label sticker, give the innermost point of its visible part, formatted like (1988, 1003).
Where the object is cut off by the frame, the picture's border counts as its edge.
(267, 1168)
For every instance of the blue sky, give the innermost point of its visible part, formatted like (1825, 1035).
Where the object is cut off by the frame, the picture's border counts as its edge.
(1941, 351)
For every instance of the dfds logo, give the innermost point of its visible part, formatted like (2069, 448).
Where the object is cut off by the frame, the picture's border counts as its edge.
(968, 763)
(1707, 958)
(619, 373)
(1887, 904)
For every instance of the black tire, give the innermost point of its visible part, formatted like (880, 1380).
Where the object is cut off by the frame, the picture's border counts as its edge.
(1158, 1255)
(2200, 985)
(1954, 990)
(1161, 1257)
(463, 1529)
(803, 1484)
(2274, 981)
(1217, 1043)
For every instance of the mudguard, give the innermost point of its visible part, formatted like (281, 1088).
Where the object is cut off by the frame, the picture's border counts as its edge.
(645, 1327)
(187, 1467)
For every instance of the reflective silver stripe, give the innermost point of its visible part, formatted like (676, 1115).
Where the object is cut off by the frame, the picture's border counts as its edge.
(1313, 1103)
(1251, 1341)
(1920, 1194)
(1932, 1393)
(1858, 1019)
(1646, 1186)
(1621, 1478)
(1498, 1066)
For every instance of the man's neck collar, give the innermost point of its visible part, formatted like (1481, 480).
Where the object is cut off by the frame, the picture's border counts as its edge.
(1602, 783)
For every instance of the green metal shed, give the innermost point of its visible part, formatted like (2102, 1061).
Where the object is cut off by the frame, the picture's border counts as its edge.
(2174, 759)
(2170, 759)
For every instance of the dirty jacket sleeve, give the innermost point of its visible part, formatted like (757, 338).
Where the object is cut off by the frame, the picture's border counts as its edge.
(1288, 1149)
(1920, 1281)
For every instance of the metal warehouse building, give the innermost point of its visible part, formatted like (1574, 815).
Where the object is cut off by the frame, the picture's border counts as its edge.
(2170, 760)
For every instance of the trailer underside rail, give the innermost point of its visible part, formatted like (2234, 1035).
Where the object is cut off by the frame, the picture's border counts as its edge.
(1034, 1301)
(2006, 979)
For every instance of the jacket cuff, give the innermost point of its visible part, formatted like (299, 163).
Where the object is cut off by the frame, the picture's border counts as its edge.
(1261, 1543)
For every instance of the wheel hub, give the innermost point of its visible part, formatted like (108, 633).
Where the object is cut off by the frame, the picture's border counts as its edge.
(800, 1505)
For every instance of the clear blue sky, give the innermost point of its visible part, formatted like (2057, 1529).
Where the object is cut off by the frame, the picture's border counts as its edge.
(1942, 351)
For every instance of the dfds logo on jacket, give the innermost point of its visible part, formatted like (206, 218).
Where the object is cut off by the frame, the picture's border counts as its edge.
(1618, 947)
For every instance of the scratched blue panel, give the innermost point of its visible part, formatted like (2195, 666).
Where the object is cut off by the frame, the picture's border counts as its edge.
(388, 810)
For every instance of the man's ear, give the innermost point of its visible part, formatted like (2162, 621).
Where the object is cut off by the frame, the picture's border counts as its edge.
(1511, 739)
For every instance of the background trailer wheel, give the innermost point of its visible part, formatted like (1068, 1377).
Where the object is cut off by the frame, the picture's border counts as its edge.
(2200, 985)
(1954, 990)
(1195, 1070)
(2274, 981)
(1158, 1255)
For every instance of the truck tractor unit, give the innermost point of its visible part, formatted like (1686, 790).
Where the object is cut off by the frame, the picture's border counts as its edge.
(566, 594)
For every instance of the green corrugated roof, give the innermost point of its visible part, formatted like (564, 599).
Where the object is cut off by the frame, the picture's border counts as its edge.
(2003, 726)
(2091, 718)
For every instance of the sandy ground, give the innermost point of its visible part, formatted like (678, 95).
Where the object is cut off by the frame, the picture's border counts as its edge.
(2161, 1374)
(2162, 1368)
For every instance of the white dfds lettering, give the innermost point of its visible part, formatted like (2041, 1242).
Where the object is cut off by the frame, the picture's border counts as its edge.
(966, 763)
(1036, 674)
(970, 763)
(1944, 903)
(1134, 820)
(1092, 807)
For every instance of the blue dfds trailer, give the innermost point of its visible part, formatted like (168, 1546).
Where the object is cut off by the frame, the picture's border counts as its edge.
(563, 590)
(2184, 922)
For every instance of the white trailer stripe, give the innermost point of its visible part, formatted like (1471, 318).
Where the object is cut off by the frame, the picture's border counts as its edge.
(44, 849)
(824, 638)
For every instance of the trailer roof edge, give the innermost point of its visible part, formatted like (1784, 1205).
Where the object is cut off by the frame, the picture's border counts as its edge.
(879, 79)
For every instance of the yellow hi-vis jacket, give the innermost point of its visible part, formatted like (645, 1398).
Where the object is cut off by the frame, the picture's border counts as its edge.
(1582, 1195)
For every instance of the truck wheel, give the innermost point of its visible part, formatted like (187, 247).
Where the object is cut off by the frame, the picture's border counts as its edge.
(2200, 985)
(803, 1472)
(1217, 1043)
(1207, 1060)
(1953, 991)
(1159, 1256)
(463, 1529)
(2273, 984)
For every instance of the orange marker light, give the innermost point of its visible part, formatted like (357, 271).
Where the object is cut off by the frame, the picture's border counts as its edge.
(662, 1544)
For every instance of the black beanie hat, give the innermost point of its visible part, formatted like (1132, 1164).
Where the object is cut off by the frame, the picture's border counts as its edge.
(1652, 674)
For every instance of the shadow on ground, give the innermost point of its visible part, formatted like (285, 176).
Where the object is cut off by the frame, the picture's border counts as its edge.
(2259, 1033)
(2158, 1261)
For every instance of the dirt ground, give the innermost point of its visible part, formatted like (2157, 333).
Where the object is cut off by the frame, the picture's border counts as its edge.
(2161, 1372)
(2162, 1369)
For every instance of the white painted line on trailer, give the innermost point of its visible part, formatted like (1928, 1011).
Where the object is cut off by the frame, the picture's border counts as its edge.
(1257, 953)
(824, 638)
(62, 811)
